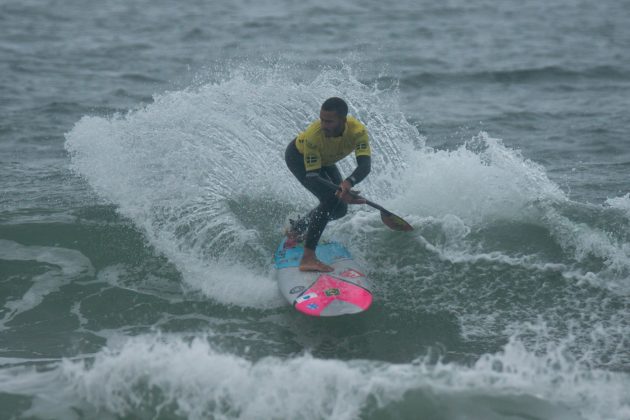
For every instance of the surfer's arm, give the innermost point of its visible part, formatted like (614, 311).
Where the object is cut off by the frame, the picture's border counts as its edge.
(364, 166)
(345, 193)
(362, 151)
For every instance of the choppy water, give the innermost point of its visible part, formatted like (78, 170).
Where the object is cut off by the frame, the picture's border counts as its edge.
(143, 191)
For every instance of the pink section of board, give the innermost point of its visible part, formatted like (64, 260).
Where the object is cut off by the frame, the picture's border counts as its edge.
(327, 289)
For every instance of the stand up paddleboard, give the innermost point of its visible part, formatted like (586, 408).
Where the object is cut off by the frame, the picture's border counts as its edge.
(343, 291)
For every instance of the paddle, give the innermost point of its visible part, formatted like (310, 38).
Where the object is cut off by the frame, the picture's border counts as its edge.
(390, 219)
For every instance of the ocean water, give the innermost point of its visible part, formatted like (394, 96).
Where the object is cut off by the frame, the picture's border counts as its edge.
(143, 192)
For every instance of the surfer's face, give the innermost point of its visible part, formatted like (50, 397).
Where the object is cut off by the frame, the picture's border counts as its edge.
(332, 124)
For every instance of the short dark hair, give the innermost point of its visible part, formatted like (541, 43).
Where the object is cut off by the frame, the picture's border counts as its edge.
(336, 104)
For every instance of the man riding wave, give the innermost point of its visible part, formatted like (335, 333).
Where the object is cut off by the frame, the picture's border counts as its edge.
(311, 157)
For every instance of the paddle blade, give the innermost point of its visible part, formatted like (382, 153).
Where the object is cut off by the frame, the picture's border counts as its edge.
(395, 222)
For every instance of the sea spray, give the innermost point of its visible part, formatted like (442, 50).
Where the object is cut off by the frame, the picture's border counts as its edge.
(181, 167)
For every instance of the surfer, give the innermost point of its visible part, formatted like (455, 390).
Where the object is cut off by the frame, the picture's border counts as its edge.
(311, 156)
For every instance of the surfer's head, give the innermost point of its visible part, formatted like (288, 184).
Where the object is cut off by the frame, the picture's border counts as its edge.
(333, 116)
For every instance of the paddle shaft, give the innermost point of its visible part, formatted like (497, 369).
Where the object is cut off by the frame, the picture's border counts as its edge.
(392, 221)
(373, 204)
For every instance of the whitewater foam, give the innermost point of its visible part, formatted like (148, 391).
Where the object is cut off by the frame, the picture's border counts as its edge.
(189, 378)
(481, 181)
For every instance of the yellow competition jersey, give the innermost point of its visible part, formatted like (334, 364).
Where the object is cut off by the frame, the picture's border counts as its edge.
(319, 150)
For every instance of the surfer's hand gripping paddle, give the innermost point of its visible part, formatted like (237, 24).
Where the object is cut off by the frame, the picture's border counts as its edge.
(347, 195)
(390, 219)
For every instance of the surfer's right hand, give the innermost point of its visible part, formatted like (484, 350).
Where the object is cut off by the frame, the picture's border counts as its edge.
(345, 194)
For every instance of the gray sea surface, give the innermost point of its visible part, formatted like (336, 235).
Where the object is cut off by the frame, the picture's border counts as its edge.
(143, 191)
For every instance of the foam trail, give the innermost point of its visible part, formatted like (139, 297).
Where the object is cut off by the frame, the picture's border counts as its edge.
(69, 265)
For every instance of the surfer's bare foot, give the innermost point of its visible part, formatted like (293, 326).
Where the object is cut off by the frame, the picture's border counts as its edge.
(311, 263)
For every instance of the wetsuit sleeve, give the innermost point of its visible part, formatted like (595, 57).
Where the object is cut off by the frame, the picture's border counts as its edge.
(364, 165)
(362, 152)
